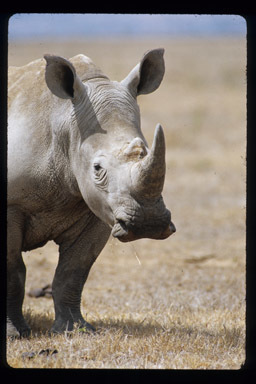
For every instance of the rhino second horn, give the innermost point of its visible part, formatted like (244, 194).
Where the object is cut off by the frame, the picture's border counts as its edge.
(148, 174)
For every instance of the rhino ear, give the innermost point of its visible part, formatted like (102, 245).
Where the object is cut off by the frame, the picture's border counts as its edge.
(61, 78)
(148, 74)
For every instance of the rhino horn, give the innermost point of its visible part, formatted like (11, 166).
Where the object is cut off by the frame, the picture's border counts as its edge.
(149, 173)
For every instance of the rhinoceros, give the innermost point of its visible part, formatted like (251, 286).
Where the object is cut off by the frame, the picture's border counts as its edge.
(79, 169)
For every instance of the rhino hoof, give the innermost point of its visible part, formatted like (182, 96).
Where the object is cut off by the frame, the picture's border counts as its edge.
(14, 333)
(87, 328)
(84, 327)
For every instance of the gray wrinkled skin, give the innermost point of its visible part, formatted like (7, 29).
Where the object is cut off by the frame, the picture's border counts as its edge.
(79, 169)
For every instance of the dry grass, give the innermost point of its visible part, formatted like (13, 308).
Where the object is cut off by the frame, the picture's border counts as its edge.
(178, 303)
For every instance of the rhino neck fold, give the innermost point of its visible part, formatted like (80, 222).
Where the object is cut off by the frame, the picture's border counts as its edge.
(85, 117)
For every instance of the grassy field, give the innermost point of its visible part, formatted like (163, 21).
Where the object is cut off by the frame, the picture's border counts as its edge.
(178, 303)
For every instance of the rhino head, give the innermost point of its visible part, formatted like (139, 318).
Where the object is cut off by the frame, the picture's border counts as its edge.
(119, 177)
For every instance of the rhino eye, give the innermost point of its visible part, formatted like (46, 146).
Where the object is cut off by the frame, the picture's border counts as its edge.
(97, 167)
(100, 176)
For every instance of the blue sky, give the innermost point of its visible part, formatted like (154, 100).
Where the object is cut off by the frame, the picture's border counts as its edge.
(34, 26)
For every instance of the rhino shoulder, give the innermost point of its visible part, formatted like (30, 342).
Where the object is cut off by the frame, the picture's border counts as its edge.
(26, 81)
(16, 73)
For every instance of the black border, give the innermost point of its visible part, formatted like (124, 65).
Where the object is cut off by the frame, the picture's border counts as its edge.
(249, 369)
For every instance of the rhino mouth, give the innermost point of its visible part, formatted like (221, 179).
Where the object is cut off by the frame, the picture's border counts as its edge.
(122, 232)
(120, 229)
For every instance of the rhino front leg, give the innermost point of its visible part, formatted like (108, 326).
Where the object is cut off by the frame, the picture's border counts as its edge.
(16, 275)
(75, 261)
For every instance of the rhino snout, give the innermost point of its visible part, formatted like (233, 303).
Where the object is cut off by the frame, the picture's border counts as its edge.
(157, 229)
(170, 229)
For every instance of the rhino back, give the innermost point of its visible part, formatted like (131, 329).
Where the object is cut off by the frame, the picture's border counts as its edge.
(29, 129)
(35, 121)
